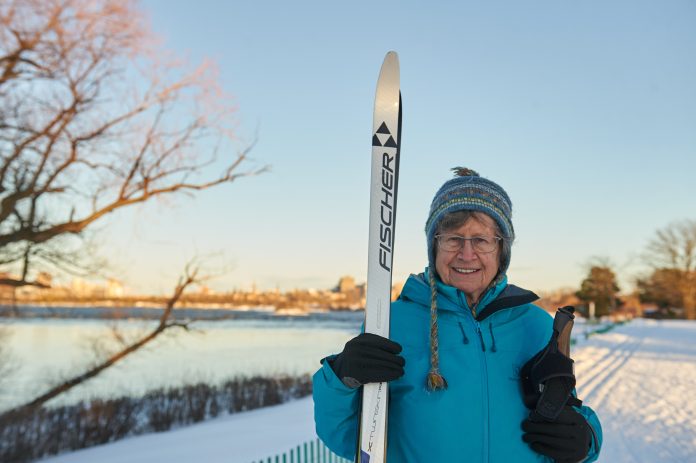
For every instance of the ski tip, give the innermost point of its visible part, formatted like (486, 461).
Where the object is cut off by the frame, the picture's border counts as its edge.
(392, 56)
(389, 73)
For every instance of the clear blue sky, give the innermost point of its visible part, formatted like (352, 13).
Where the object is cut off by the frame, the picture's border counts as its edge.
(585, 112)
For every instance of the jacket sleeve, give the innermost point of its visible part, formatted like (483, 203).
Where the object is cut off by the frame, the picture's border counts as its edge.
(596, 429)
(336, 409)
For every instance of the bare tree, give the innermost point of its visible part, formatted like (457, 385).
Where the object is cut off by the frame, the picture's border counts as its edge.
(674, 248)
(95, 117)
(166, 322)
(661, 287)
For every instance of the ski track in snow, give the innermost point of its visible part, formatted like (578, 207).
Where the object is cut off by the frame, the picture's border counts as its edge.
(640, 378)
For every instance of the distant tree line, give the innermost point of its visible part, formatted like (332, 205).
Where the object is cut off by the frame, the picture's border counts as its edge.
(670, 283)
(672, 255)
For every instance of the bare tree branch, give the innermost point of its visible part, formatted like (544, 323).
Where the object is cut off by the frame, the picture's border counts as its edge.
(93, 119)
(673, 252)
(189, 278)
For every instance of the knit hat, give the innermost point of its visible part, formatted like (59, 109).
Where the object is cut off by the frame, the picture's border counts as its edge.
(471, 192)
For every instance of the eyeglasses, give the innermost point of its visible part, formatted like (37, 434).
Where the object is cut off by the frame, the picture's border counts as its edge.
(482, 244)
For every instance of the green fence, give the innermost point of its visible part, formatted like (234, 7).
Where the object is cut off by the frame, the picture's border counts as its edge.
(310, 452)
(598, 329)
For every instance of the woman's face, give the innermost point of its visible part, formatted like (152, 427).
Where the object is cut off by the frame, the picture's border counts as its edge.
(468, 270)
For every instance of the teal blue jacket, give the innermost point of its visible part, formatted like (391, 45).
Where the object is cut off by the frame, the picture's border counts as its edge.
(478, 418)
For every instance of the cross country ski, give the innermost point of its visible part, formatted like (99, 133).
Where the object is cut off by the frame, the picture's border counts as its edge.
(386, 143)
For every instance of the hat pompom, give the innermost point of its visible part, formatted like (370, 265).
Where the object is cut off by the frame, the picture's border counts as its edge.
(464, 172)
(435, 381)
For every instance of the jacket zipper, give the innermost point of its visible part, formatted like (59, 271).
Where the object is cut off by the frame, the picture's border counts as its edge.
(486, 399)
(480, 335)
(465, 339)
(484, 384)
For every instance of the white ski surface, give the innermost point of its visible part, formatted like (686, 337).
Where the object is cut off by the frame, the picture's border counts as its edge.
(385, 151)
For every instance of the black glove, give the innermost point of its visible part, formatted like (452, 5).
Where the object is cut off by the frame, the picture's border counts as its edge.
(368, 358)
(566, 440)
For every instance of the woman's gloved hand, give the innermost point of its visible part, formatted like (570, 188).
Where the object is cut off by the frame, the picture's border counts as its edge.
(368, 358)
(566, 440)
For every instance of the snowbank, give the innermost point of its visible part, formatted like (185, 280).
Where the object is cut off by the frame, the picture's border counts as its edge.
(242, 437)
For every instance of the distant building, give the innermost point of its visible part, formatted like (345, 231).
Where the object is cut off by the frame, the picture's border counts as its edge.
(114, 288)
(81, 288)
(205, 290)
(111, 289)
(361, 290)
(346, 284)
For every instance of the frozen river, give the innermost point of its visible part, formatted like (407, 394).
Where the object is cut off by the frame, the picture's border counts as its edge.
(42, 351)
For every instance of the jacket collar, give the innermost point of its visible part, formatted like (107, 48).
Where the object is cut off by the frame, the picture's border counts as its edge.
(498, 297)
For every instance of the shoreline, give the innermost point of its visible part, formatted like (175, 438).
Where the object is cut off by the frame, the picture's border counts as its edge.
(36, 311)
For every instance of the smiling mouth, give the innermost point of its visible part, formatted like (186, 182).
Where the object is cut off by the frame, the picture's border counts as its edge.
(465, 271)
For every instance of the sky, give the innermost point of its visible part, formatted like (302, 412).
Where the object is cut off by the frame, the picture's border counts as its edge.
(585, 112)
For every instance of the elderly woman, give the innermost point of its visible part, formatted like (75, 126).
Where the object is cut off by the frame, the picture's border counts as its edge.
(459, 336)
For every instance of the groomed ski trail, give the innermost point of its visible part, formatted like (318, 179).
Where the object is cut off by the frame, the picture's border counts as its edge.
(641, 380)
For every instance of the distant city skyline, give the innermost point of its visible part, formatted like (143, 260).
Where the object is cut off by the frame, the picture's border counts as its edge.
(583, 112)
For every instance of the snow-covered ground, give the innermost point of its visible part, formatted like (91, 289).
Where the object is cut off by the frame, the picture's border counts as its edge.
(242, 437)
(639, 377)
(641, 380)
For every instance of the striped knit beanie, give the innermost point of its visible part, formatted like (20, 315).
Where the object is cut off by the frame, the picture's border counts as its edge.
(467, 191)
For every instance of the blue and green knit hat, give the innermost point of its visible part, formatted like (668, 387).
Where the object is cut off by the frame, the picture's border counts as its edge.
(466, 192)
(470, 192)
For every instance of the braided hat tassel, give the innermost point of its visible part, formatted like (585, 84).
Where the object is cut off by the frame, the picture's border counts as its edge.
(434, 380)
